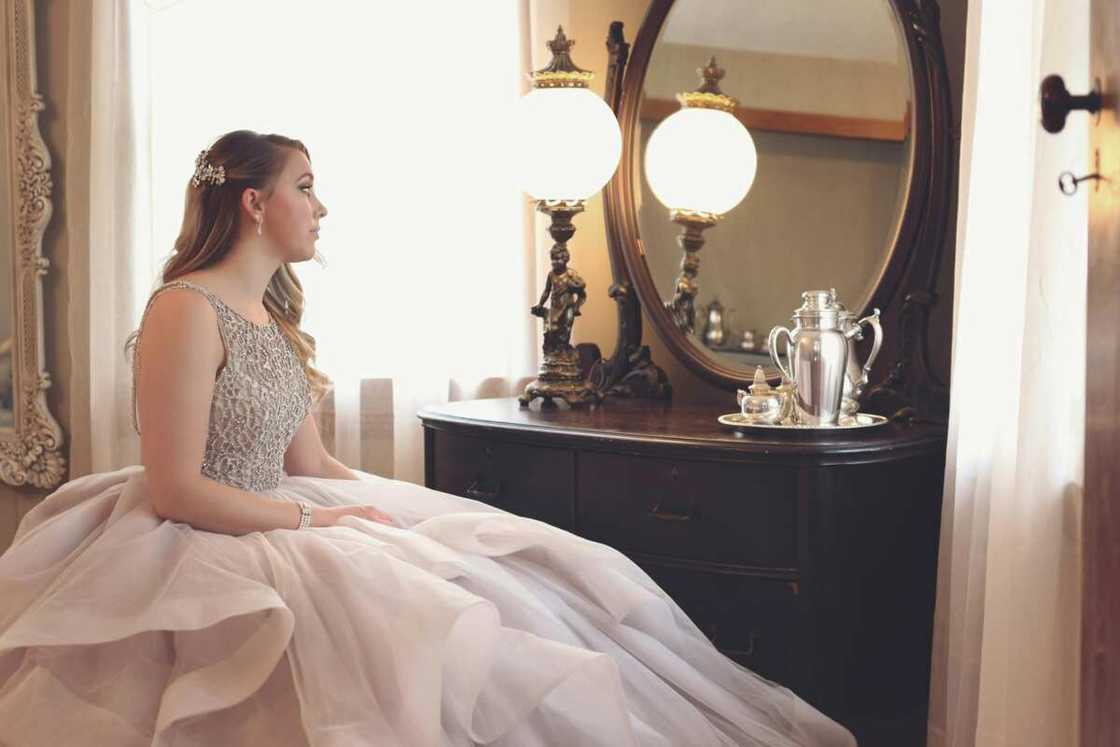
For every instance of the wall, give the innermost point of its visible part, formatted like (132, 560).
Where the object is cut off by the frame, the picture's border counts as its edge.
(587, 22)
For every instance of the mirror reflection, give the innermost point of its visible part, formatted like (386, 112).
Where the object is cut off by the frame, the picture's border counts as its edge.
(824, 91)
(8, 209)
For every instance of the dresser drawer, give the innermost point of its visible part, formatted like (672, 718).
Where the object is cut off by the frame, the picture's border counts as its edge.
(722, 512)
(755, 621)
(533, 481)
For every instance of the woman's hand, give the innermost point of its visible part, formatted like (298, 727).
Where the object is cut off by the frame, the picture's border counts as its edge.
(328, 516)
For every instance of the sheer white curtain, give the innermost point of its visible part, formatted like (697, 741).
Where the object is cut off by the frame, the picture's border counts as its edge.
(1006, 652)
(429, 261)
(106, 224)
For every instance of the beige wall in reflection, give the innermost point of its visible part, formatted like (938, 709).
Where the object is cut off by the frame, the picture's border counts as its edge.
(796, 83)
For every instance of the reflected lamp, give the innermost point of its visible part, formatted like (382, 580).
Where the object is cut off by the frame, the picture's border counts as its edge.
(700, 162)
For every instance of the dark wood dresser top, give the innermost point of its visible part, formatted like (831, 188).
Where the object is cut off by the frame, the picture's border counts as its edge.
(645, 425)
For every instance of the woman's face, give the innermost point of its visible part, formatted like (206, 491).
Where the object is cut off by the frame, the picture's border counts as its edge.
(292, 212)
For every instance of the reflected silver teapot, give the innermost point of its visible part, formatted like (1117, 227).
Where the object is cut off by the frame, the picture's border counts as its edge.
(715, 328)
(819, 349)
(856, 376)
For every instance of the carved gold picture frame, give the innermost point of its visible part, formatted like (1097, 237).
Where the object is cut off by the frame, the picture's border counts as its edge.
(30, 451)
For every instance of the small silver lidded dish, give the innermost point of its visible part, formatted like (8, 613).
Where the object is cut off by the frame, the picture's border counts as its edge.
(762, 404)
(766, 407)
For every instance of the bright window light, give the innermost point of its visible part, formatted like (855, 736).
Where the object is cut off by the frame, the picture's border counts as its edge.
(403, 109)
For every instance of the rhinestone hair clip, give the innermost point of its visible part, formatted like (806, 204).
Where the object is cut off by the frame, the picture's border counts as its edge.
(204, 171)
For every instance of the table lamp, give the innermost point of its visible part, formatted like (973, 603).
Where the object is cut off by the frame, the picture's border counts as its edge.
(570, 145)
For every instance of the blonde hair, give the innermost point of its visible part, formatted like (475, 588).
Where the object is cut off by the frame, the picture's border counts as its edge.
(210, 226)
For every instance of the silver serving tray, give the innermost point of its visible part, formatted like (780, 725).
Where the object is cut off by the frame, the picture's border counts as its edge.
(740, 421)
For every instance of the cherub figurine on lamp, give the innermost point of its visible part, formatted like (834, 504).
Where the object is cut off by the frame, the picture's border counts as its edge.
(565, 291)
(570, 144)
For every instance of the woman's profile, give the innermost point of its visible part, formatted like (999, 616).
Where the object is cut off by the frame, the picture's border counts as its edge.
(241, 586)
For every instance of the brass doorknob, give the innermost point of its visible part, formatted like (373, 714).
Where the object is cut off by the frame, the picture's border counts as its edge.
(1058, 102)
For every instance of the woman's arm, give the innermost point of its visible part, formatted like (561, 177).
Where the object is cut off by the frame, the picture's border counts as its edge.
(179, 353)
(307, 456)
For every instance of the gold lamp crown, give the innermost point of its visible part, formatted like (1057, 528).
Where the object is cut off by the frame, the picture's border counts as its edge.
(561, 72)
(708, 95)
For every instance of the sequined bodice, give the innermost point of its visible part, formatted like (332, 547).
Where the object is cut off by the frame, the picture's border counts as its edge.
(260, 398)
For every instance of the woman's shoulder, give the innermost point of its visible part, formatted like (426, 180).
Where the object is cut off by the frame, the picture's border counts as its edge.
(180, 325)
(180, 294)
(180, 307)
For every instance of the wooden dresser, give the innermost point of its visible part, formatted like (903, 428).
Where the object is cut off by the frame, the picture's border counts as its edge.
(809, 559)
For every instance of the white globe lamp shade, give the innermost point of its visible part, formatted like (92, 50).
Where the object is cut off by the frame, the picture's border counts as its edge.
(568, 143)
(701, 160)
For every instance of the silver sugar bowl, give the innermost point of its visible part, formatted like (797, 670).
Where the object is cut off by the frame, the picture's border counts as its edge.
(762, 404)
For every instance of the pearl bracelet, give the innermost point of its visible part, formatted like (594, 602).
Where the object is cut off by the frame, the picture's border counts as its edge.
(304, 516)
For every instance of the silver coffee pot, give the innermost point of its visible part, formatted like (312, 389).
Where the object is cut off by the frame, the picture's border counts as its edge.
(818, 356)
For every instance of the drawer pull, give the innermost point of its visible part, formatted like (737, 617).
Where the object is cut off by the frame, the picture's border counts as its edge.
(657, 513)
(479, 493)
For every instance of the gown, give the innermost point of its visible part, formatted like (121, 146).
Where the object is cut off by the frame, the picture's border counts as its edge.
(465, 625)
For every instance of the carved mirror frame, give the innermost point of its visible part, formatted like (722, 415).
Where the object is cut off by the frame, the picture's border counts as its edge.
(903, 381)
(30, 452)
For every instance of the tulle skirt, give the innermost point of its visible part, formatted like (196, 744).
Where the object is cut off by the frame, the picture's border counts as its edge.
(465, 625)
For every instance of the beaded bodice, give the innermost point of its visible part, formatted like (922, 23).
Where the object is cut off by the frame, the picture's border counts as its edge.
(260, 398)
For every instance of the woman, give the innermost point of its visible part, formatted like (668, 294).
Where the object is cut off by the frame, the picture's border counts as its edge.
(242, 587)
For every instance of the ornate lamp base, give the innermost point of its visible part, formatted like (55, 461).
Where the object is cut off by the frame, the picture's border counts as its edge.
(565, 292)
(559, 378)
(690, 240)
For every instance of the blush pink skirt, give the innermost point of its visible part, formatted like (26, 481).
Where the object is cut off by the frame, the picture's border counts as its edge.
(467, 625)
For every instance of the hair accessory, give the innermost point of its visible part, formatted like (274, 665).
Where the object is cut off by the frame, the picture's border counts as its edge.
(204, 171)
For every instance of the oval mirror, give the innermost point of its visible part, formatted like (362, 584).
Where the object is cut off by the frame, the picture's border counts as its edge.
(825, 91)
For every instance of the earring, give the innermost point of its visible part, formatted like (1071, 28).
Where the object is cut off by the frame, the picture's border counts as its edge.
(259, 224)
